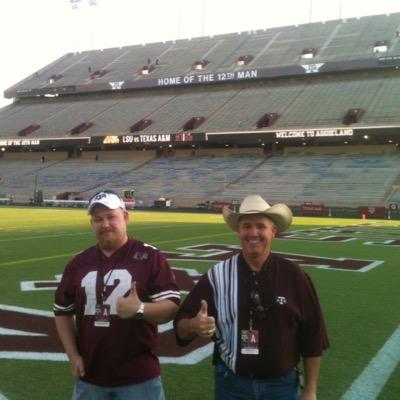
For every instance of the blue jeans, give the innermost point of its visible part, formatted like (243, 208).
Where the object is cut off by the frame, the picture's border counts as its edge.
(148, 390)
(229, 386)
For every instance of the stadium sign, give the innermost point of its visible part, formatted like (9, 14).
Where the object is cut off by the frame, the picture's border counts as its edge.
(129, 139)
(312, 68)
(48, 142)
(212, 77)
(20, 142)
(313, 209)
(208, 78)
(54, 91)
(116, 85)
(313, 133)
(149, 138)
(96, 141)
(234, 75)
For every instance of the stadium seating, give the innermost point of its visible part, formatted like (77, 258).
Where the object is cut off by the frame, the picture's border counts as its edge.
(188, 180)
(306, 103)
(21, 176)
(333, 179)
(395, 198)
(340, 179)
(335, 40)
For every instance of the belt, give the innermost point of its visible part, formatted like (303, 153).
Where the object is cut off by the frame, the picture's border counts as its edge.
(260, 376)
(222, 369)
(256, 376)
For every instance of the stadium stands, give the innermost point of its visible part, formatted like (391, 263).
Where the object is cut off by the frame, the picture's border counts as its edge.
(338, 179)
(219, 117)
(21, 176)
(306, 103)
(335, 40)
(334, 179)
(309, 101)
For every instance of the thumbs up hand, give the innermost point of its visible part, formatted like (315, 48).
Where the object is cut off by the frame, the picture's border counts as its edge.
(202, 324)
(128, 306)
(203, 308)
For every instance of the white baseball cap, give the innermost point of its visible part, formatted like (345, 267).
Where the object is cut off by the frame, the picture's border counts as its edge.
(108, 199)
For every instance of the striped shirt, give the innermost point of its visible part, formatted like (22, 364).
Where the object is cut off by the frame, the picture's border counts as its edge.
(292, 327)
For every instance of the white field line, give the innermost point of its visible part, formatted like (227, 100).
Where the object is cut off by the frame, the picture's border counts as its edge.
(375, 375)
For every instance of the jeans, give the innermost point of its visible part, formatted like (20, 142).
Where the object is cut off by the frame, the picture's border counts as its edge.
(148, 390)
(229, 386)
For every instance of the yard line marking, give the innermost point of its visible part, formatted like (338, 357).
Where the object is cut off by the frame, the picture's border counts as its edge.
(43, 236)
(26, 310)
(32, 355)
(374, 377)
(2, 397)
(16, 332)
(193, 358)
(30, 260)
(40, 226)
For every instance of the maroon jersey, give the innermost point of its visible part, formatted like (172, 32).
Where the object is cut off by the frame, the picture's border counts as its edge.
(290, 324)
(123, 352)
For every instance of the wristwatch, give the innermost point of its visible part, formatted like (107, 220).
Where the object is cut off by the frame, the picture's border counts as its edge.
(140, 312)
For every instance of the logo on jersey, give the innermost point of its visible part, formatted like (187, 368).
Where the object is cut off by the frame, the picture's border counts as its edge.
(140, 256)
(280, 300)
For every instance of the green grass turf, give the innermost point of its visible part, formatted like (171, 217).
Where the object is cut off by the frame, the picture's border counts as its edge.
(361, 309)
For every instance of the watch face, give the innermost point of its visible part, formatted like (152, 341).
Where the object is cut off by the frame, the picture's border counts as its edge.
(140, 312)
(139, 315)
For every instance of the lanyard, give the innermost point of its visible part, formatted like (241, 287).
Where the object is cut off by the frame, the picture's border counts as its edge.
(101, 286)
(257, 310)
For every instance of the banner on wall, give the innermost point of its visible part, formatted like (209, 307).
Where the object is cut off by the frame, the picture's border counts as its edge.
(313, 209)
(372, 212)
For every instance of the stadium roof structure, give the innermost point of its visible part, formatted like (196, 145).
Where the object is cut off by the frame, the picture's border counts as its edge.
(315, 82)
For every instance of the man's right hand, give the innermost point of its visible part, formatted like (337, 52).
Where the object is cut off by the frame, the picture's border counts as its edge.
(202, 324)
(77, 367)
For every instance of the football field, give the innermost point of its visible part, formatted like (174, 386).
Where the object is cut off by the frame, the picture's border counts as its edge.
(354, 264)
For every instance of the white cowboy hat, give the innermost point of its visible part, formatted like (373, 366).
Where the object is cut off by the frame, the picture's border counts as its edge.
(279, 213)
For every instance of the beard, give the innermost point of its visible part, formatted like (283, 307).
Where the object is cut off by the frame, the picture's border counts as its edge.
(111, 240)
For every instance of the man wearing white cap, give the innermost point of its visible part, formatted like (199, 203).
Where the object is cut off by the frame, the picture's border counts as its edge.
(107, 307)
(260, 309)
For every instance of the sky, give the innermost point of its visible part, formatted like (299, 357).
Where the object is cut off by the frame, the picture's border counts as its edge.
(33, 33)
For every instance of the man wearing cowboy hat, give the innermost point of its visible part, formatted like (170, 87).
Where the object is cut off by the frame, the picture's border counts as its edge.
(260, 309)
